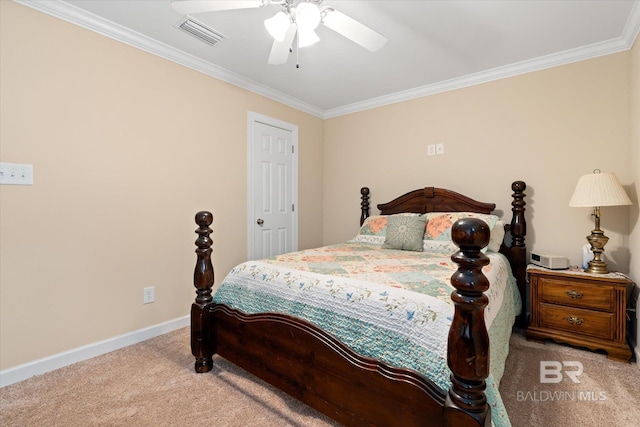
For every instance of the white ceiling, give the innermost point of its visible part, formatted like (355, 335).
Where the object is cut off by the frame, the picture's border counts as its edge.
(433, 45)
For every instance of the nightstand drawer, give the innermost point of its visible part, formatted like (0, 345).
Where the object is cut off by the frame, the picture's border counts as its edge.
(578, 321)
(575, 294)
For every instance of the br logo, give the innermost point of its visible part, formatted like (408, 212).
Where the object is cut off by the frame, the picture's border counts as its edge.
(552, 371)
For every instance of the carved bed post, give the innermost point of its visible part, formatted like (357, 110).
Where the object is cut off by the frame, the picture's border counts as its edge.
(518, 250)
(202, 346)
(468, 345)
(364, 206)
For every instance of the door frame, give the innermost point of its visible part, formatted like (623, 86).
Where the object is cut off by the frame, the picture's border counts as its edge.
(253, 118)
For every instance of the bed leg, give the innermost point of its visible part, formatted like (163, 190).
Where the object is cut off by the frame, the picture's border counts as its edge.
(202, 346)
(468, 345)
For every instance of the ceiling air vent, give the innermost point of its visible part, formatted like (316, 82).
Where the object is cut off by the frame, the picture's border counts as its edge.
(201, 31)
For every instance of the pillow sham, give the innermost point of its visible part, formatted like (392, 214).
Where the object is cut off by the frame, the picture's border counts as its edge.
(439, 223)
(437, 237)
(405, 232)
(374, 226)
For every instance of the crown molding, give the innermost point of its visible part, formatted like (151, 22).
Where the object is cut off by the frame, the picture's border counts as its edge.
(77, 16)
(622, 43)
(541, 63)
(92, 22)
(632, 27)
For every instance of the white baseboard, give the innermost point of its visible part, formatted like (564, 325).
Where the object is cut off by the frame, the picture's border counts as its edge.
(56, 361)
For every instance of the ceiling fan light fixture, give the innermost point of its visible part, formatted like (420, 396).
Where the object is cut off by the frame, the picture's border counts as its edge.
(307, 16)
(278, 25)
(307, 37)
(294, 26)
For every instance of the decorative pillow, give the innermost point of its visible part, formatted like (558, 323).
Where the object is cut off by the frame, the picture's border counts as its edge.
(405, 232)
(437, 237)
(497, 236)
(374, 225)
(439, 223)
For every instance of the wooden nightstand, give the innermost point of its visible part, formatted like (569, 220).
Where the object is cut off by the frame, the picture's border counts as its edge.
(580, 309)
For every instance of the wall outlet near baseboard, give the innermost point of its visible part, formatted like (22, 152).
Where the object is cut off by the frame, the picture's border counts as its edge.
(149, 295)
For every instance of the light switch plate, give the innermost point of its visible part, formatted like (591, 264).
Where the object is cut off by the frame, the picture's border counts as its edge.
(16, 174)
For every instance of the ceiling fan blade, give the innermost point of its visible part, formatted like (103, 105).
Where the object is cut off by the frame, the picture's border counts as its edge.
(280, 50)
(354, 30)
(187, 7)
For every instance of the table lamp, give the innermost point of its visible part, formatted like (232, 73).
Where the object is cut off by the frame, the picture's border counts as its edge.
(593, 191)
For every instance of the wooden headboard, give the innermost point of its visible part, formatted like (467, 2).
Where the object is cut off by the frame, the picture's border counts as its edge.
(432, 199)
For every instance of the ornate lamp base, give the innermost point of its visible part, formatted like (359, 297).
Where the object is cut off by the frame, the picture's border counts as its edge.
(597, 239)
(597, 267)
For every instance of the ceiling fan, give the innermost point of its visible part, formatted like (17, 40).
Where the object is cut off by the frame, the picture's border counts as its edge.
(296, 18)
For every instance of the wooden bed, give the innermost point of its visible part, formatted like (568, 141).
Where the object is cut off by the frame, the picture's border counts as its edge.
(314, 367)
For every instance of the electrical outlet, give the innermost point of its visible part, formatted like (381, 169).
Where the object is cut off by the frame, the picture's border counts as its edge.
(16, 174)
(149, 295)
(431, 150)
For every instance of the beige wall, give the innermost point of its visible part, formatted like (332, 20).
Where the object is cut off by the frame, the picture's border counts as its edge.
(634, 192)
(126, 147)
(547, 128)
(634, 189)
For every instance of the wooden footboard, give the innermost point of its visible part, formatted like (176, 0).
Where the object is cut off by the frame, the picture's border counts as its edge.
(314, 367)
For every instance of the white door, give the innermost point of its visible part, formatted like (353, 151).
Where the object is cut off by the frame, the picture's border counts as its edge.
(273, 225)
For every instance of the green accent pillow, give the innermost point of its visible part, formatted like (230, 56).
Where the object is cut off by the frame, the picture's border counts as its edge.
(405, 232)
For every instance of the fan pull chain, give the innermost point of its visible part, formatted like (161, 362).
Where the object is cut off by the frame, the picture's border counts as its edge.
(297, 50)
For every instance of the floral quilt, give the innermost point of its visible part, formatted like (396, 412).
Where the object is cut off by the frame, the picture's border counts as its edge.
(393, 305)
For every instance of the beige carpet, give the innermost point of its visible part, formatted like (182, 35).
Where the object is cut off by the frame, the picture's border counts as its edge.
(608, 393)
(153, 384)
(150, 384)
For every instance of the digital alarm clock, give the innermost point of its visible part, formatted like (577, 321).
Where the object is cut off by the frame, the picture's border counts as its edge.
(554, 262)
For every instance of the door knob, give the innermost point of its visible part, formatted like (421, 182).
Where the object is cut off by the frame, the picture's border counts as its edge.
(260, 221)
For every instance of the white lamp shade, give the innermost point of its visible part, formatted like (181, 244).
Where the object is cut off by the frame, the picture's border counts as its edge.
(599, 189)
(278, 25)
(307, 16)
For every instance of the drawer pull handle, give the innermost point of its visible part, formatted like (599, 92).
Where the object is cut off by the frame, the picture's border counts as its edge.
(573, 294)
(574, 320)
